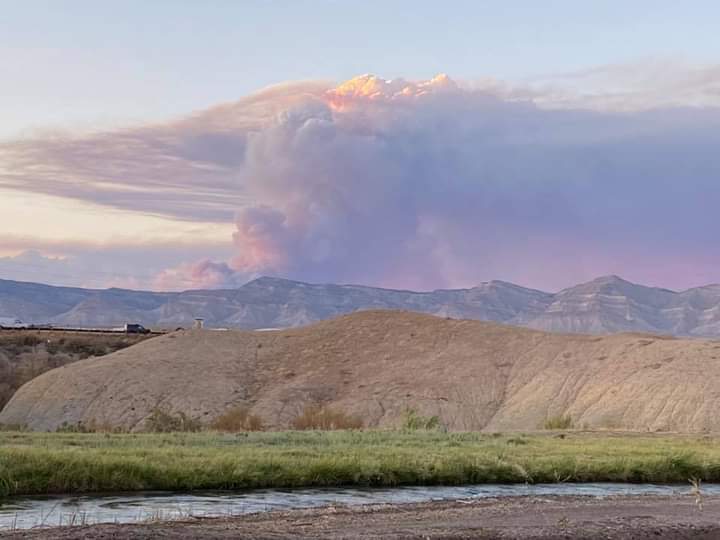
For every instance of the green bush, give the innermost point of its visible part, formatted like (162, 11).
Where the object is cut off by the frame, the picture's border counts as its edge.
(66, 427)
(161, 421)
(559, 422)
(413, 421)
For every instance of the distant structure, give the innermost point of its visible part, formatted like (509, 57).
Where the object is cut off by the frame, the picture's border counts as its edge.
(12, 323)
(199, 323)
(133, 328)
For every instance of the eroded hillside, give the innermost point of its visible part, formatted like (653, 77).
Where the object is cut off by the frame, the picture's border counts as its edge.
(378, 364)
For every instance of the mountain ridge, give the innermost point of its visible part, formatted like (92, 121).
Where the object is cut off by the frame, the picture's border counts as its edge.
(608, 304)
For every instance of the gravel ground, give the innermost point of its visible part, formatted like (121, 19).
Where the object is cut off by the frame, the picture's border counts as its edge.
(547, 518)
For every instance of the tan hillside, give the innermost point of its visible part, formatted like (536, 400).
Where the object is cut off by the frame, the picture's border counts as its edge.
(377, 364)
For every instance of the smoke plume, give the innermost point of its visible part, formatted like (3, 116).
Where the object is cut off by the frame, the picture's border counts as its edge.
(414, 184)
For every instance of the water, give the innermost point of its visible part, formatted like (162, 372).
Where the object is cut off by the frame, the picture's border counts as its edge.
(29, 512)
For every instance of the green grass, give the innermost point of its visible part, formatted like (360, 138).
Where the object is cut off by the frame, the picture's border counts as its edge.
(39, 463)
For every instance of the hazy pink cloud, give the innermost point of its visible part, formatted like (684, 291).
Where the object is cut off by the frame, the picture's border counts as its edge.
(198, 275)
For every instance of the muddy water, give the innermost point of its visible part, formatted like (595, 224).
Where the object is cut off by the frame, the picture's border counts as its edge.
(29, 512)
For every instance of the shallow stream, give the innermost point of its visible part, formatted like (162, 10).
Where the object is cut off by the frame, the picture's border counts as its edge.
(50, 511)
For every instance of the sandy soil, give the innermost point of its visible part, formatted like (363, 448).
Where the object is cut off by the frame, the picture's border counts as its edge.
(522, 518)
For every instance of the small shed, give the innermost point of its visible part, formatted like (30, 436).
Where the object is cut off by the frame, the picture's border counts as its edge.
(199, 323)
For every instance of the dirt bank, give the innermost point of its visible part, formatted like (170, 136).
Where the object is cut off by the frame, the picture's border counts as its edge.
(522, 518)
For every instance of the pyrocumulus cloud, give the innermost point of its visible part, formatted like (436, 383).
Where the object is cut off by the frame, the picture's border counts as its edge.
(416, 184)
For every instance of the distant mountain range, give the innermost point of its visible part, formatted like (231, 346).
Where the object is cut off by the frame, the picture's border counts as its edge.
(605, 305)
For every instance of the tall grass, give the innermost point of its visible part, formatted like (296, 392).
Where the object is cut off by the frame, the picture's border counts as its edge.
(563, 421)
(237, 419)
(36, 463)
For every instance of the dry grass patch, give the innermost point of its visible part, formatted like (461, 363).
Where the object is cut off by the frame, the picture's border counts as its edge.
(326, 419)
(237, 419)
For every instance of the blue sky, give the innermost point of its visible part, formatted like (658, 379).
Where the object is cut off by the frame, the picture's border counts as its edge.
(88, 63)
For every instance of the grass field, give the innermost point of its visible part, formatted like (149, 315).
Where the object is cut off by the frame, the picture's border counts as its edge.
(39, 463)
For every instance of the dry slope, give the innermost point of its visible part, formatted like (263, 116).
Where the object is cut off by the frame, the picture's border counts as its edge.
(474, 375)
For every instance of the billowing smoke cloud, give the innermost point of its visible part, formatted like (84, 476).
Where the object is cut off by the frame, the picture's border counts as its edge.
(421, 185)
(199, 275)
(136, 266)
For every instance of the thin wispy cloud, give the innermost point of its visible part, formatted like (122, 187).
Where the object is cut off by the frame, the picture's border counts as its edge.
(651, 84)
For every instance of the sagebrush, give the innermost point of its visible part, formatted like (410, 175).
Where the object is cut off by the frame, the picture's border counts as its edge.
(164, 421)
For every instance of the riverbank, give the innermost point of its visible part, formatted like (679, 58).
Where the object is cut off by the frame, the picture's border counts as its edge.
(539, 518)
(45, 463)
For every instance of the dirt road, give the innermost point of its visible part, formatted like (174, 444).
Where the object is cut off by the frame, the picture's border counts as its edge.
(522, 518)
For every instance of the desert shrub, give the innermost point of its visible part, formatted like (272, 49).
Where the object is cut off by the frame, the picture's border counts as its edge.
(95, 426)
(92, 426)
(19, 341)
(30, 340)
(517, 441)
(79, 427)
(85, 348)
(562, 421)
(14, 427)
(325, 418)
(6, 392)
(236, 420)
(412, 421)
(161, 421)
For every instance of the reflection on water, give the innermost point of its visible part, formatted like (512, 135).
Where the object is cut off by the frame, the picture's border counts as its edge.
(28, 512)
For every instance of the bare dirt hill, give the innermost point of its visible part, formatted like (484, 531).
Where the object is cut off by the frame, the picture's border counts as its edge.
(377, 364)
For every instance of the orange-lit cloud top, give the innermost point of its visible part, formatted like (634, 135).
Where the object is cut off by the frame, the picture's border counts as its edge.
(413, 184)
(371, 87)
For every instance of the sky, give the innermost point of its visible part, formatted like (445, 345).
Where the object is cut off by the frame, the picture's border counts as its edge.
(174, 145)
